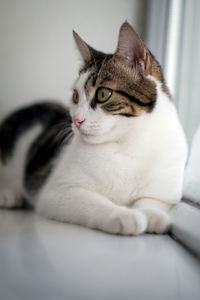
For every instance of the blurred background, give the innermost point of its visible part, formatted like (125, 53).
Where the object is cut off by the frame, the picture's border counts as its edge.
(38, 58)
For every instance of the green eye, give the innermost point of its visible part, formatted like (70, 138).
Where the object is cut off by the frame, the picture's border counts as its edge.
(103, 94)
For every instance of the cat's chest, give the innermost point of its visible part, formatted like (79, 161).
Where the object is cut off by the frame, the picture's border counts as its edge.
(111, 171)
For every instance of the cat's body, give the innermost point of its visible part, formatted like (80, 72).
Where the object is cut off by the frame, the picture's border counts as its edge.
(123, 167)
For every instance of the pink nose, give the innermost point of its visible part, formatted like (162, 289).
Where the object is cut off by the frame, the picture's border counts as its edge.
(78, 122)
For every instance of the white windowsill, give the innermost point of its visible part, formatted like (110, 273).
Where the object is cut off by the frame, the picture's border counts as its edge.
(42, 259)
(186, 225)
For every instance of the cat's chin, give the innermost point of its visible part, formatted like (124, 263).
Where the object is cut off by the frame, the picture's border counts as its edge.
(92, 139)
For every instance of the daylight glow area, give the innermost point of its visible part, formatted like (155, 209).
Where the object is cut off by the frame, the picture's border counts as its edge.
(172, 44)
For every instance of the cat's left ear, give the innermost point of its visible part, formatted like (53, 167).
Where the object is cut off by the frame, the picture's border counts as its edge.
(132, 50)
(84, 49)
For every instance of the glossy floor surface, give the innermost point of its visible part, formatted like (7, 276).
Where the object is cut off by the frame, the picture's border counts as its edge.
(42, 259)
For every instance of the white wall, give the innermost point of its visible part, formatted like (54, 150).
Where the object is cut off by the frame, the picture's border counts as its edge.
(37, 54)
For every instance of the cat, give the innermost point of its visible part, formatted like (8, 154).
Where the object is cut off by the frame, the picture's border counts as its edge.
(191, 185)
(113, 162)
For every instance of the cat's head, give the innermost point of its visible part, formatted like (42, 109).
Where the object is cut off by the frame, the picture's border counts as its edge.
(112, 90)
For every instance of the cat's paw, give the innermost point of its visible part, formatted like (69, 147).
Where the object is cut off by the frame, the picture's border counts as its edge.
(126, 221)
(158, 221)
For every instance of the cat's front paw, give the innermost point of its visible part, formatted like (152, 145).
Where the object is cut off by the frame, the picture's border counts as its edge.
(126, 221)
(158, 221)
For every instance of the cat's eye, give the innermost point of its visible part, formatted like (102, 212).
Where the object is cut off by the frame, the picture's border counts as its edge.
(75, 97)
(103, 94)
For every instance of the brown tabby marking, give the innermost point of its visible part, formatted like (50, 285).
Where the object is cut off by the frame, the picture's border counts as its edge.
(158, 74)
(131, 95)
(125, 73)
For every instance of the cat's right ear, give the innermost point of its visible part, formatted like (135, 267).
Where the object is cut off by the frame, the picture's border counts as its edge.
(84, 49)
(132, 50)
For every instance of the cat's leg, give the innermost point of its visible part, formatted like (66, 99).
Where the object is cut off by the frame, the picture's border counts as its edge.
(10, 199)
(155, 211)
(166, 190)
(80, 206)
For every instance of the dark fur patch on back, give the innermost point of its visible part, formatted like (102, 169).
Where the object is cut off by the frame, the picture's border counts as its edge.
(43, 154)
(23, 119)
(56, 123)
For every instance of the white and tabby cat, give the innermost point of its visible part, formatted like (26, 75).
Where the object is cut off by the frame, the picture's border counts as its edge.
(118, 165)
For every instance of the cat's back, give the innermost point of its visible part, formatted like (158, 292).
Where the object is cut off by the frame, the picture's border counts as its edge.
(30, 138)
(15, 125)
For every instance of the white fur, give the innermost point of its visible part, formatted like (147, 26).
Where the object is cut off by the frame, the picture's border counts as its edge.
(192, 174)
(114, 163)
(11, 173)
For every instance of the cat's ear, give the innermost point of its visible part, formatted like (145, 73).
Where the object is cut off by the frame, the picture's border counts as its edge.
(84, 49)
(132, 50)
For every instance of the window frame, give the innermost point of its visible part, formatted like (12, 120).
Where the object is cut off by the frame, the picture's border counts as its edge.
(165, 42)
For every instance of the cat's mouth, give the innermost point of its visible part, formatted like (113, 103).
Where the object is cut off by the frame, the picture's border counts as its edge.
(86, 133)
(91, 137)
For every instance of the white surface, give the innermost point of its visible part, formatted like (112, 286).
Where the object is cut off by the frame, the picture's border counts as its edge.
(186, 224)
(38, 58)
(42, 259)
